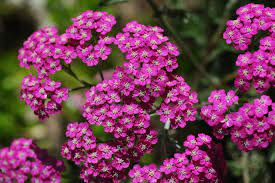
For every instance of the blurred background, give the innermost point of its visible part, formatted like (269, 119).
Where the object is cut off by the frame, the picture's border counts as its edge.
(206, 63)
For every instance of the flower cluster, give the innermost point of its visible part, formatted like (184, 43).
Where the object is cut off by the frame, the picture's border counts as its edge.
(44, 96)
(177, 107)
(79, 36)
(128, 123)
(105, 161)
(251, 19)
(24, 161)
(177, 101)
(122, 105)
(150, 59)
(43, 50)
(254, 124)
(257, 67)
(148, 45)
(215, 115)
(251, 127)
(193, 165)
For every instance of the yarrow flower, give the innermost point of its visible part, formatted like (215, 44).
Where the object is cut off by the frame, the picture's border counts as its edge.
(79, 36)
(128, 123)
(44, 96)
(253, 124)
(193, 165)
(43, 50)
(251, 127)
(251, 19)
(24, 161)
(148, 45)
(106, 161)
(122, 105)
(178, 101)
(258, 67)
(215, 114)
(151, 59)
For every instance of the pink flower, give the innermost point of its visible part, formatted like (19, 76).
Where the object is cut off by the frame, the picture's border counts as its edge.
(168, 166)
(184, 166)
(24, 160)
(190, 142)
(120, 163)
(61, 95)
(254, 67)
(44, 96)
(244, 59)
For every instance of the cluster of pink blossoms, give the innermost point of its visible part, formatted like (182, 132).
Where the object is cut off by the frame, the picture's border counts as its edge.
(215, 114)
(177, 100)
(148, 46)
(126, 121)
(251, 127)
(193, 165)
(146, 78)
(45, 49)
(257, 67)
(25, 161)
(108, 161)
(79, 36)
(177, 107)
(122, 105)
(251, 19)
(253, 124)
(44, 96)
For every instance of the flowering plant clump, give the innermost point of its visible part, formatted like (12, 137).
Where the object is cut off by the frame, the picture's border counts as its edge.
(40, 51)
(256, 67)
(45, 49)
(79, 34)
(144, 86)
(151, 59)
(109, 161)
(25, 161)
(253, 124)
(251, 127)
(193, 165)
(122, 106)
(215, 114)
(44, 96)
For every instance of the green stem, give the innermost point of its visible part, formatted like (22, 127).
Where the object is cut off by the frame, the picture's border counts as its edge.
(164, 144)
(101, 74)
(78, 88)
(245, 173)
(70, 72)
